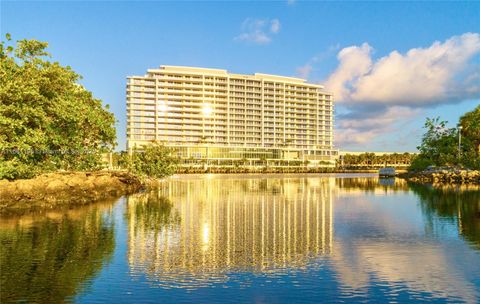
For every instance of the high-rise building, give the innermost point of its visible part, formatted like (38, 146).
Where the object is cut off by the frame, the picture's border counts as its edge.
(220, 117)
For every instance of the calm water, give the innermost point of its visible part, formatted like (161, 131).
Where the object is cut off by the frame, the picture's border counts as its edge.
(265, 239)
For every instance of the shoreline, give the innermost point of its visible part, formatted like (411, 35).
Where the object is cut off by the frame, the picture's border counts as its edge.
(267, 170)
(72, 189)
(65, 189)
(443, 176)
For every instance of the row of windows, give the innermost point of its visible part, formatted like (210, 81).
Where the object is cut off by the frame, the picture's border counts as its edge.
(238, 102)
(210, 80)
(149, 122)
(252, 138)
(244, 153)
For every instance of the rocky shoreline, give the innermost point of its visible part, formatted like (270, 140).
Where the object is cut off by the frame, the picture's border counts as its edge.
(65, 189)
(443, 176)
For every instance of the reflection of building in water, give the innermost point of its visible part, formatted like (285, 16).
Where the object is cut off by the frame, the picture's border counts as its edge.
(218, 225)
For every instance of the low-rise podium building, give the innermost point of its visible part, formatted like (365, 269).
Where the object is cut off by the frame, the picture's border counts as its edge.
(210, 115)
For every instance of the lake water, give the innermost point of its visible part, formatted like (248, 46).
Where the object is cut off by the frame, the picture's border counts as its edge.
(252, 238)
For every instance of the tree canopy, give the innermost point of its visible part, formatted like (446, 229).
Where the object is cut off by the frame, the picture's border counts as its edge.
(439, 145)
(470, 123)
(155, 160)
(48, 120)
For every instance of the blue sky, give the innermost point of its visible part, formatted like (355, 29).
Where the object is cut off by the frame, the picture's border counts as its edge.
(347, 46)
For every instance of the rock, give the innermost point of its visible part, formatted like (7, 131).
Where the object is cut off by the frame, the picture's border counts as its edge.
(75, 181)
(24, 186)
(56, 185)
(64, 189)
(452, 176)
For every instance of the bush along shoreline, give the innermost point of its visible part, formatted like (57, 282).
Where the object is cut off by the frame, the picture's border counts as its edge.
(443, 176)
(448, 155)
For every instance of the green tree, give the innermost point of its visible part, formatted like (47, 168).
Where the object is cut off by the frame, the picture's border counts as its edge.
(155, 160)
(439, 145)
(48, 121)
(470, 123)
(120, 160)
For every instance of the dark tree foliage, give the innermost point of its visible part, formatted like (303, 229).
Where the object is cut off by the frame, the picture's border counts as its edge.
(470, 123)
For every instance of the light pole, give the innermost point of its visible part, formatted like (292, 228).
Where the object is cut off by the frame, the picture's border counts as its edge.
(459, 142)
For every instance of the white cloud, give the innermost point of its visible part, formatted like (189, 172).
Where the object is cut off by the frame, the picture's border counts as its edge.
(354, 62)
(291, 2)
(275, 26)
(420, 77)
(398, 86)
(259, 31)
(359, 128)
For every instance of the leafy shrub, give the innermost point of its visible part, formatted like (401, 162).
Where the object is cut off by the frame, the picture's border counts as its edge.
(155, 160)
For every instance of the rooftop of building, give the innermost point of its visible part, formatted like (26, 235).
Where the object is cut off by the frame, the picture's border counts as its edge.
(222, 72)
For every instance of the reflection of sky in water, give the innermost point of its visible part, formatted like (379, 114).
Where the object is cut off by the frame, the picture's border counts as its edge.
(246, 234)
(248, 239)
(396, 249)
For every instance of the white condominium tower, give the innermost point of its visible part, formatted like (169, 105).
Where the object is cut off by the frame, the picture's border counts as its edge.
(219, 117)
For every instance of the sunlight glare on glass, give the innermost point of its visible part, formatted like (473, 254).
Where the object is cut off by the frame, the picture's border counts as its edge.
(207, 109)
(162, 106)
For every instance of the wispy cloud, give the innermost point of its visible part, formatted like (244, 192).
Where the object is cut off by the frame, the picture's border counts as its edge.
(275, 26)
(305, 70)
(398, 86)
(258, 31)
(291, 2)
(361, 126)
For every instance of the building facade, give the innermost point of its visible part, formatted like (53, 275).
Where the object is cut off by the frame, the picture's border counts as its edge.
(214, 116)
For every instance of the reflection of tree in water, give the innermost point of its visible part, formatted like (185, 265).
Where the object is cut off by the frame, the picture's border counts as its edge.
(50, 261)
(459, 206)
(153, 212)
(371, 184)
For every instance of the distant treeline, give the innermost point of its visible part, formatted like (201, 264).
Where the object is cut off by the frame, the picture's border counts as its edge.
(372, 160)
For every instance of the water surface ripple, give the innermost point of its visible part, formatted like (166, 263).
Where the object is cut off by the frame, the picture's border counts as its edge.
(252, 238)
